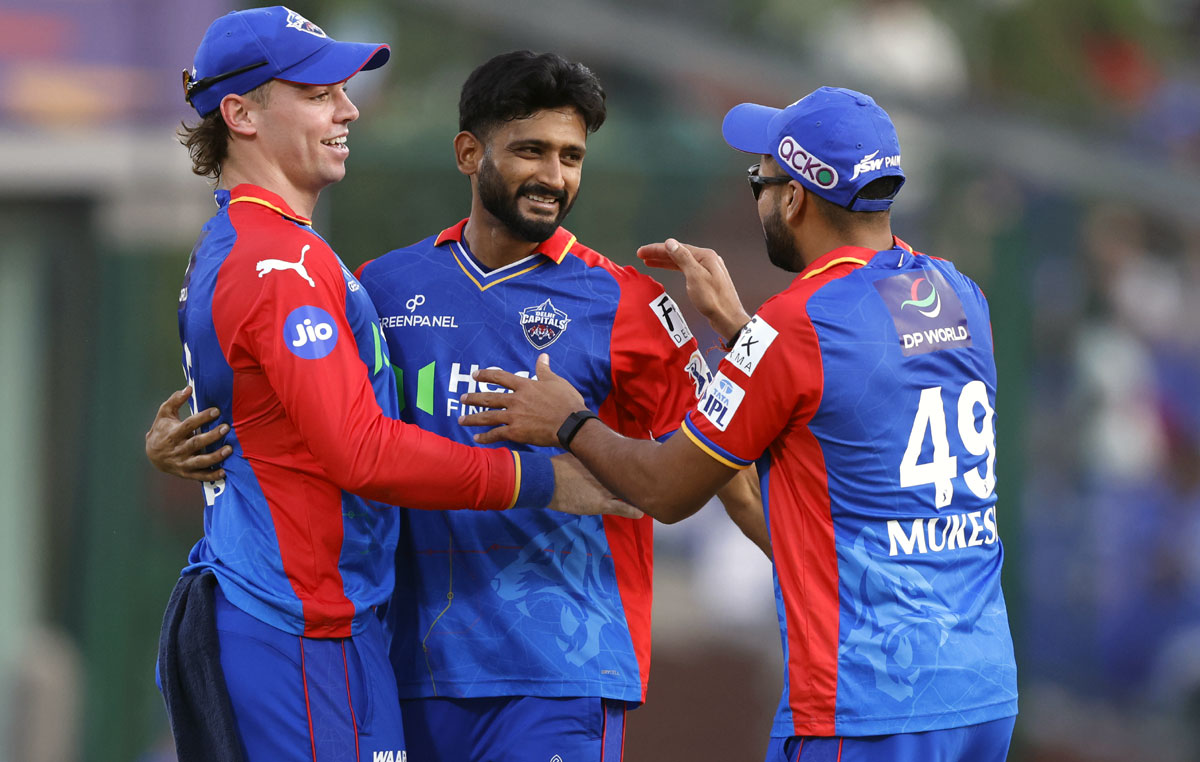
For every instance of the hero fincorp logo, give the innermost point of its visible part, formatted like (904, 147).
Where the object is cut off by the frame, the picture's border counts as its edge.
(869, 163)
(460, 381)
(810, 167)
(310, 332)
(926, 312)
(543, 324)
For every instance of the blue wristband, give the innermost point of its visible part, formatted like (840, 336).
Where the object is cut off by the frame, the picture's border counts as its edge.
(537, 480)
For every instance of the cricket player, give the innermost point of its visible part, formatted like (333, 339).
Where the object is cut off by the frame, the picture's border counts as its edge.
(272, 646)
(527, 636)
(866, 393)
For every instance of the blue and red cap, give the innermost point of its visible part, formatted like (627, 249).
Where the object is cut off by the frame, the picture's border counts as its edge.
(243, 49)
(833, 141)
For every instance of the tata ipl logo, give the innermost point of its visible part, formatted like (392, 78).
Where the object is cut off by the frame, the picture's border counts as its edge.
(813, 169)
(930, 306)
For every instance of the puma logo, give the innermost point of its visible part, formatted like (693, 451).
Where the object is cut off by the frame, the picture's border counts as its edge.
(270, 265)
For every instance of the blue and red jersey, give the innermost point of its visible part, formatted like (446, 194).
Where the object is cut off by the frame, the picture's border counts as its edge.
(528, 603)
(866, 392)
(280, 336)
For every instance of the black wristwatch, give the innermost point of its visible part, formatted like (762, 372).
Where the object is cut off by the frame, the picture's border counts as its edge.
(572, 425)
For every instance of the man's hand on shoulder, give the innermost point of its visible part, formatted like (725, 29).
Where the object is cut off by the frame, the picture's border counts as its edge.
(174, 447)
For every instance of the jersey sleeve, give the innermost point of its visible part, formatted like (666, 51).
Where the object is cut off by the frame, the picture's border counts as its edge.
(769, 381)
(295, 332)
(657, 367)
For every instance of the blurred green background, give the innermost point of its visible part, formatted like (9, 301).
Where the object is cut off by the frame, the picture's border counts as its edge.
(1053, 153)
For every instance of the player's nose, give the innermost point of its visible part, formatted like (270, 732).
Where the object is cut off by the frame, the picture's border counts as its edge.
(347, 111)
(550, 173)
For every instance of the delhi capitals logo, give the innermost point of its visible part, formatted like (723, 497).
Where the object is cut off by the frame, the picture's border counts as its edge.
(296, 21)
(543, 324)
(930, 306)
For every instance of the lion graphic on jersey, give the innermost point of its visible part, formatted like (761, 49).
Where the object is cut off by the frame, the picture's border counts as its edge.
(895, 610)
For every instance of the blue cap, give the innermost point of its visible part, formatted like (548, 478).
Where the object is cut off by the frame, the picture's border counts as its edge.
(243, 49)
(833, 140)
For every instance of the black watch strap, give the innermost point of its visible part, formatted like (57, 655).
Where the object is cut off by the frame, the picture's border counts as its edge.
(572, 425)
(728, 345)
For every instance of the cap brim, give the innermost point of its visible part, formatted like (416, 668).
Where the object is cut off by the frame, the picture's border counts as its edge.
(745, 128)
(336, 62)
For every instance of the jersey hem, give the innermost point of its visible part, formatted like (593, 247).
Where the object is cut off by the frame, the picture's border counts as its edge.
(272, 616)
(897, 725)
(541, 689)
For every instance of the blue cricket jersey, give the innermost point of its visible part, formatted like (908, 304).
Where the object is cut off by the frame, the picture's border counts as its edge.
(866, 392)
(528, 602)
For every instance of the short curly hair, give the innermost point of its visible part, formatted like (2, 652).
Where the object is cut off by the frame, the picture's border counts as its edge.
(518, 84)
(207, 141)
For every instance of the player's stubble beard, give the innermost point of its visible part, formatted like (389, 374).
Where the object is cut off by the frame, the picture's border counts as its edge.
(493, 194)
(781, 245)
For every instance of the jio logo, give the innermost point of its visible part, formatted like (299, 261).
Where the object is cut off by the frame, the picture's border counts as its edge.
(310, 332)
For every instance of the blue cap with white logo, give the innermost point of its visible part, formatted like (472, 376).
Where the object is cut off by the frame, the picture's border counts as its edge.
(243, 49)
(833, 140)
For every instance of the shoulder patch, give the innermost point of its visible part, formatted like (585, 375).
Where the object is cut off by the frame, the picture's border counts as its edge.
(672, 320)
(697, 370)
(310, 332)
(925, 310)
(721, 401)
(751, 345)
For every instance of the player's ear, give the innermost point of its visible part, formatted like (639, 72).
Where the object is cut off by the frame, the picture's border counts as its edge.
(237, 111)
(796, 202)
(468, 152)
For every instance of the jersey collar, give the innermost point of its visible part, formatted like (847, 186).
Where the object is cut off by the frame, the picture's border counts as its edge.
(253, 194)
(556, 247)
(857, 256)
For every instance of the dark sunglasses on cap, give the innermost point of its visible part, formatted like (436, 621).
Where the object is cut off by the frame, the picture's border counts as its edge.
(757, 181)
(193, 86)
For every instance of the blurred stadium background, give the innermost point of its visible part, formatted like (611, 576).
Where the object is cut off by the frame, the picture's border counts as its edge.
(1053, 149)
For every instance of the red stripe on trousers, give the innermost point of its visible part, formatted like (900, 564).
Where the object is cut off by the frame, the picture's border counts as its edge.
(350, 701)
(307, 708)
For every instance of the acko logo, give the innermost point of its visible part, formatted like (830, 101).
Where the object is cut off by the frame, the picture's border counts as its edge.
(310, 332)
(816, 171)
